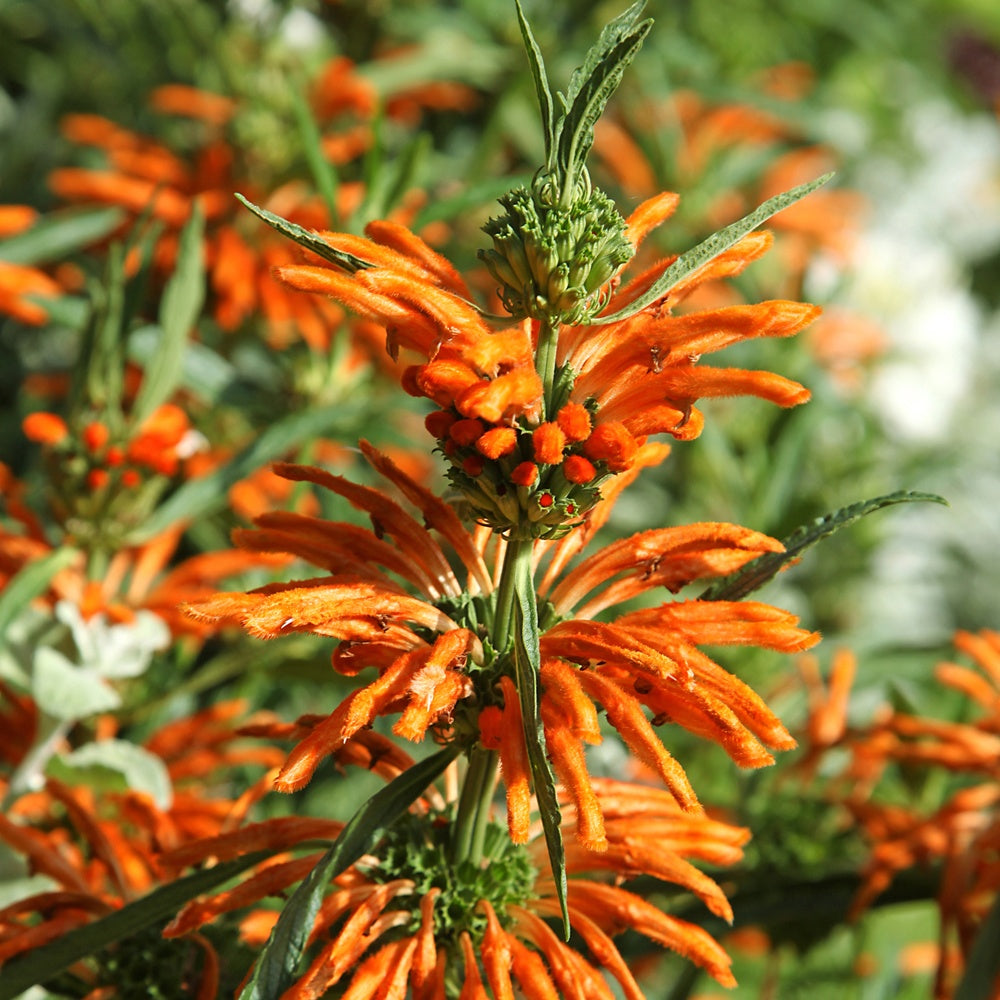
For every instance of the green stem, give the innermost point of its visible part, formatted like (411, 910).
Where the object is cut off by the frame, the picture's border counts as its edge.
(545, 361)
(474, 805)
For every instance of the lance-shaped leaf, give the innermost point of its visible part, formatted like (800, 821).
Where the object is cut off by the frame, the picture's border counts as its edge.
(756, 573)
(545, 102)
(56, 236)
(43, 963)
(594, 82)
(305, 238)
(278, 964)
(180, 306)
(527, 664)
(710, 248)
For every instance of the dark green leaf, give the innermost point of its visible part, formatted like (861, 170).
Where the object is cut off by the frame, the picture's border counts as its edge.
(29, 582)
(105, 357)
(198, 497)
(541, 83)
(982, 971)
(592, 92)
(710, 248)
(527, 663)
(309, 240)
(324, 173)
(41, 964)
(59, 234)
(756, 573)
(180, 306)
(278, 963)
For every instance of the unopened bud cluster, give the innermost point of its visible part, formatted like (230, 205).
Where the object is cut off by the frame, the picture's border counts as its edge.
(553, 261)
(535, 482)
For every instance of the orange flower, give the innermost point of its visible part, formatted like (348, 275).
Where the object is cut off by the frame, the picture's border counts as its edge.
(427, 648)
(626, 379)
(409, 921)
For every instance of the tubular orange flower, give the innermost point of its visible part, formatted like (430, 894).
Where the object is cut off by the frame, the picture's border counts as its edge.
(487, 927)
(619, 382)
(437, 669)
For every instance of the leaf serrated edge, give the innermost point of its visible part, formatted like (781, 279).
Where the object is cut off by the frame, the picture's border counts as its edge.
(542, 89)
(761, 570)
(710, 248)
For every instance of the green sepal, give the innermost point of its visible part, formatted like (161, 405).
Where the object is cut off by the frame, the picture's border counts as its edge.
(527, 664)
(43, 963)
(592, 85)
(30, 581)
(759, 571)
(710, 248)
(180, 307)
(278, 963)
(545, 103)
(305, 238)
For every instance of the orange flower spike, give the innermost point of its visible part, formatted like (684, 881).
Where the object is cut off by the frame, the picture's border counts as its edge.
(16, 219)
(548, 442)
(377, 975)
(514, 765)
(497, 958)
(650, 214)
(191, 102)
(626, 715)
(563, 689)
(513, 394)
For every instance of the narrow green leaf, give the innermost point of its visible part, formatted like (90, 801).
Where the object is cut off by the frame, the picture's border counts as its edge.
(324, 173)
(527, 663)
(180, 307)
(593, 92)
(105, 355)
(759, 571)
(982, 971)
(41, 964)
(309, 240)
(71, 311)
(57, 235)
(199, 497)
(29, 582)
(279, 961)
(203, 371)
(710, 248)
(537, 65)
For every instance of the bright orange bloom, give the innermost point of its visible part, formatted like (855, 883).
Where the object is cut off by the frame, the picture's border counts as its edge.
(424, 647)
(631, 378)
(506, 943)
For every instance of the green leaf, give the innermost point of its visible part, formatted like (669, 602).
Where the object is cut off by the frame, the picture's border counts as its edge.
(203, 371)
(527, 663)
(66, 691)
(537, 65)
(594, 83)
(42, 963)
(324, 173)
(759, 571)
(710, 248)
(114, 765)
(71, 311)
(278, 963)
(982, 971)
(57, 235)
(309, 240)
(198, 497)
(180, 307)
(29, 582)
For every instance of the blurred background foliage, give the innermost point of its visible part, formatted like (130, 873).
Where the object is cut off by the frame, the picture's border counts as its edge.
(727, 103)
